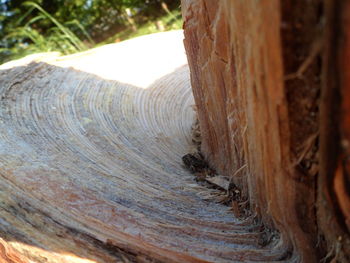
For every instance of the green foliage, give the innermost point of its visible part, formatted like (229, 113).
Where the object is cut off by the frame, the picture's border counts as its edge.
(76, 25)
(171, 21)
(59, 30)
(27, 39)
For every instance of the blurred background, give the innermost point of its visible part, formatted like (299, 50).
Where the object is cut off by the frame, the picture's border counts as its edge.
(70, 26)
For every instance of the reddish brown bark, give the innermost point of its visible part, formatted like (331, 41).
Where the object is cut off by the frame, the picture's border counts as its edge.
(258, 69)
(8, 255)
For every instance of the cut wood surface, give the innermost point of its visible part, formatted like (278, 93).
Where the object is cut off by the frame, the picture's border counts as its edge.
(90, 163)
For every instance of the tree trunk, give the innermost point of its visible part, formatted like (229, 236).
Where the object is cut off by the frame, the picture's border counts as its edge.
(91, 144)
(257, 70)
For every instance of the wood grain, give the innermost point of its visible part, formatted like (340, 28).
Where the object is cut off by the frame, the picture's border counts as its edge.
(90, 163)
(259, 120)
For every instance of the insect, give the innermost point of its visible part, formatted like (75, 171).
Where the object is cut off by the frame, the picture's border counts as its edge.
(195, 162)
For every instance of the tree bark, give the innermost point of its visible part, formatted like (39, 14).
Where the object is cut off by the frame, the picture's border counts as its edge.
(90, 156)
(257, 71)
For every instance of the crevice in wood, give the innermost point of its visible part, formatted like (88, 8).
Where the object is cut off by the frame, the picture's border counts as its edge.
(228, 193)
(333, 98)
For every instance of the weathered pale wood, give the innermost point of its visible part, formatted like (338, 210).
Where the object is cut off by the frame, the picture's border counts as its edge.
(91, 169)
(91, 144)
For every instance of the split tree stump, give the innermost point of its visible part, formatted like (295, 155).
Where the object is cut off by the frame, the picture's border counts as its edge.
(91, 144)
(91, 168)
